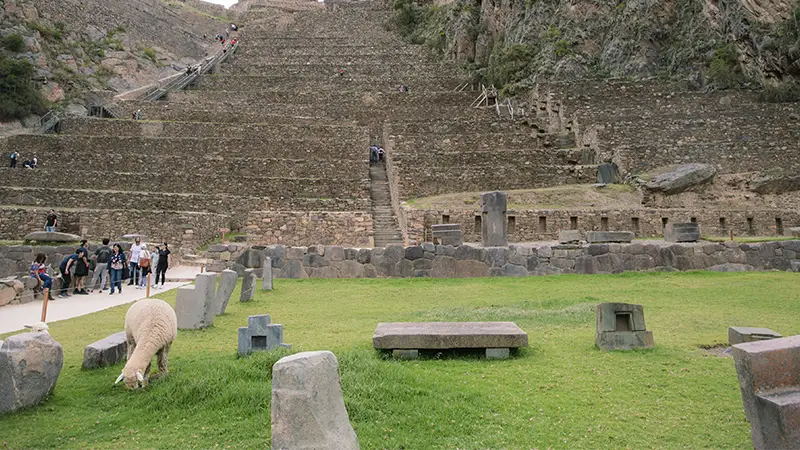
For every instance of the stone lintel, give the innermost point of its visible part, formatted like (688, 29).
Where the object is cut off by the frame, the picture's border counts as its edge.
(448, 335)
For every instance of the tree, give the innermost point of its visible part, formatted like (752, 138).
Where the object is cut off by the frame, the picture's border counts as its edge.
(18, 96)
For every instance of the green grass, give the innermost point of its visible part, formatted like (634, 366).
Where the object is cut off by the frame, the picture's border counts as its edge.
(748, 239)
(561, 392)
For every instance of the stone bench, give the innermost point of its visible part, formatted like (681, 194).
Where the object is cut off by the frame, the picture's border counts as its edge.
(406, 339)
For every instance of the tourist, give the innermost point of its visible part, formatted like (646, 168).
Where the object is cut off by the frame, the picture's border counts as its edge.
(234, 27)
(138, 114)
(14, 159)
(373, 154)
(39, 271)
(163, 263)
(52, 222)
(144, 267)
(341, 73)
(136, 248)
(64, 268)
(81, 268)
(233, 42)
(115, 266)
(381, 153)
(133, 115)
(154, 263)
(101, 257)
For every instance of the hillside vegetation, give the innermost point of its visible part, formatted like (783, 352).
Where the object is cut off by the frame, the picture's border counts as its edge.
(713, 44)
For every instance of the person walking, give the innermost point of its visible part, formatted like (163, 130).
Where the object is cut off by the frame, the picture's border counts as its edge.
(14, 159)
(39, 271)
(82, 268)
(115, 265)
(163, 263)
(101, 257)
(64, 267)
(52, 222)
(136, 249)
(144, 267)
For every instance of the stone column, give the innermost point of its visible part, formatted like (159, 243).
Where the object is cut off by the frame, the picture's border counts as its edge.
(266, 274)
(494, 223)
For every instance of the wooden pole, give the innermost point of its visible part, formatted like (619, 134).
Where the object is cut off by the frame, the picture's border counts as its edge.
(44, 304)
(148, 284)
(731, 234)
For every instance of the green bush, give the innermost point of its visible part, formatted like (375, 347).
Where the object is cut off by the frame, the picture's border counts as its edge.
(780, 92)
(14, 42)
(18, 96)
(509, 64)
(46, 31)
(406, 16)
(724, 71)
(150, 53)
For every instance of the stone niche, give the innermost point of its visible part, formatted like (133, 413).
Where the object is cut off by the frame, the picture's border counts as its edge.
(620, 326)
(769, 377)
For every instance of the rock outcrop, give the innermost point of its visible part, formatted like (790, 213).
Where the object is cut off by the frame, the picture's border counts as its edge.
(775, 181)
(674, 180)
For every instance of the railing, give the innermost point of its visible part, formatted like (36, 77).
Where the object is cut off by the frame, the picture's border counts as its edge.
(186, 79)
(48, 123)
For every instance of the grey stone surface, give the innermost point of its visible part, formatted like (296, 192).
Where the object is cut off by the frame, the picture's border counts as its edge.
(775, 181)
(682, 178)
(260, 335)
(405, 354)
(266, 274)
(494, 223)
(30, 364)
(206, 286)
(443, 267)
(471, 269)
(248, 286)
(682, 232)
(227, 283)
(55, 236)
(739, 335)
(106, 352)
(731, 267)
(608, 173)
(512, 270)
(621, 326)
(294, 269)
(569, 236)
(497, 353)
(307, 408)
(769, 378)
(593, 237)
(448, 335)
(447, 234)
(190, 308)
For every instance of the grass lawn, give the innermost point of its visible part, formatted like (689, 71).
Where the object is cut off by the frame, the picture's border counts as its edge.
(561, 392)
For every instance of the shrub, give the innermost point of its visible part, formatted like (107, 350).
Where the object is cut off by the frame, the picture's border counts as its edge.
(780, 92)
(150, 53)
(14, 42)
(509, 64)
(724, 71)
(46, 31)
(406, 16)
(18, 96)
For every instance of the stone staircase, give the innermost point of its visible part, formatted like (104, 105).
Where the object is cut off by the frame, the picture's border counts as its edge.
(383, 218)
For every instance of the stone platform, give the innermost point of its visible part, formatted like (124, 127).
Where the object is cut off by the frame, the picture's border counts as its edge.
(405, 339)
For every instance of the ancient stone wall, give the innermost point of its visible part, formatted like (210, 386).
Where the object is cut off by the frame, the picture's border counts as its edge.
(445, 261)
(309, 228)
(544, 225)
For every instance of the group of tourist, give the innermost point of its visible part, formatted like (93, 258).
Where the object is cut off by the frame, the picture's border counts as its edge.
(376, 154)
(136, 115)
(111, 267)
(14, 158)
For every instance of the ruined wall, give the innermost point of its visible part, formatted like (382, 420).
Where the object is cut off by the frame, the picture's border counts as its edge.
(544, 225)
(309, 228)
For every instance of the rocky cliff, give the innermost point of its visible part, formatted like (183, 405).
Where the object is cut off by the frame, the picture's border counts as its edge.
(78, 46)
(711, 43)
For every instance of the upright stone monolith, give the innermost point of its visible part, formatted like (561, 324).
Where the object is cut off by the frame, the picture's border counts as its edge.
(494, 223)
(248, 285)
(206, 286)
(266, 274)
(227, 283)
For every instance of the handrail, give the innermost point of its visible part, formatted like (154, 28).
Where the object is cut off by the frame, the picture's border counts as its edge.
(186, 79)
(48, 122)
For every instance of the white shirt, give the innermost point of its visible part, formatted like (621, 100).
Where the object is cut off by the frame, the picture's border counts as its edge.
(135, 251)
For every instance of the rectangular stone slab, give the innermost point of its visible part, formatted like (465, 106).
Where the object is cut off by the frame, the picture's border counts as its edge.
(447, 335)
(739, 335)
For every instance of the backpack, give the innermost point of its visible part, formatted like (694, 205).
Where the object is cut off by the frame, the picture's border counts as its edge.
(144, 260)
(104, 255)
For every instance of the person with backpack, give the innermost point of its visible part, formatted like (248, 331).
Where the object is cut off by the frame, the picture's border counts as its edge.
(82, 268)
(116, 264)
(14, 159)
(144, 267)
(101, 257)
(64, 267)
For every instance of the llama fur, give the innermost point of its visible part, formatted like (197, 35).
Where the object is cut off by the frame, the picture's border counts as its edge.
(38, 327)
(150, 328)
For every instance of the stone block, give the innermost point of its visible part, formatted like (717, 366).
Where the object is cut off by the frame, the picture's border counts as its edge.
(394, 253)
(494, 223)
(497, 353)
(293, 269)
(106, 352)
(448, 335)
(731, 267)
(190, 308)
(405, 354)
(682, 232)
(307, 409)
(447, 234)
(445, 250)
(227, 283)
(296, 253)
(621, 326)
(248, 286)
(414, 252)
(496, 256)
(594, 237)
(350, 254)
(218, 248)
(569, 236)
(769, 378)
(471, 269)
(443, 267)
(740, 335)
(206, 285)
(266, 274)
(364, 256)
(30, 364)
(260, 335)
(334, 253)
(512, 270)
(351, 269)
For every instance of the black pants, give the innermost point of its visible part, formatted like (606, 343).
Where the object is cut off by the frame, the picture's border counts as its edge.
(13, 163)
(161, 271)
(65, 280)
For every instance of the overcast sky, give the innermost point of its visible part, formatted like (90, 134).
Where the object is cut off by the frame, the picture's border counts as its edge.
(222, 2)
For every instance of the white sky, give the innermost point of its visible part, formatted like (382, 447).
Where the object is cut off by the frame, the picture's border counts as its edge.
(222, 2)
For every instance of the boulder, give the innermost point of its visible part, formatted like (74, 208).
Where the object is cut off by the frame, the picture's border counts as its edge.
(55, 236)
(106, 352)
(677, 179)
(29, 367)
(307, 406)
(775, 181)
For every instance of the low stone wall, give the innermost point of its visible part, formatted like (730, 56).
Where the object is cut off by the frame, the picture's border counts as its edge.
(446, 261)
(309, 227)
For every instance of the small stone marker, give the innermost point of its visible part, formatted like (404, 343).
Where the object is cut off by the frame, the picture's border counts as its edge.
(206, 286)
(29, 367)
(106, 352)
(620, 326)
(599, 237)
(494, 223)
(569, 236)
(260, 335)
(227, 283)
(740, 335)
(447, 234)
(405, 339)
(682, 232)
(769, 377)
(266, 274)
(248, 285)
(307, 409)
